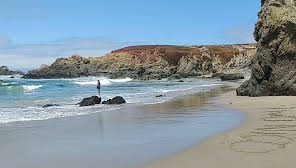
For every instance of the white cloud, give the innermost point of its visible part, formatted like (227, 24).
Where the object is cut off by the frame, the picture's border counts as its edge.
(33, 55)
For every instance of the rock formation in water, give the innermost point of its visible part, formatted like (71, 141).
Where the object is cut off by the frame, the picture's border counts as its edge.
(274, 64)
(115, 100)
(5, 71)
(152, 62)
(50, 105)
(90, 101)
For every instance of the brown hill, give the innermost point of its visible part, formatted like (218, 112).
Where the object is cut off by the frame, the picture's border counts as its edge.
(153, 62)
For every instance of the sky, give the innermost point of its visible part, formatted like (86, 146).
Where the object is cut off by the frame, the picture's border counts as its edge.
(35, 32)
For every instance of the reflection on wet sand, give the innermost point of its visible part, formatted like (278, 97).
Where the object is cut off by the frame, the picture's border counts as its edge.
(194, 101)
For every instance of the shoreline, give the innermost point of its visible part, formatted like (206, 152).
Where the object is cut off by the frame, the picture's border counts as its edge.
(137, 133)
(266, 139)
(168, 96)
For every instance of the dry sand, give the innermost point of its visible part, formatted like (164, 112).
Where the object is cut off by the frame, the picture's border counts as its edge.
(267, 139)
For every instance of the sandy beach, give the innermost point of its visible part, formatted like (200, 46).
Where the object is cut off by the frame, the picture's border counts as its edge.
(265, 140)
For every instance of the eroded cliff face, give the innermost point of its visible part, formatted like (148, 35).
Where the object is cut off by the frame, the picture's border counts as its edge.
(274, 64)
(152, 62)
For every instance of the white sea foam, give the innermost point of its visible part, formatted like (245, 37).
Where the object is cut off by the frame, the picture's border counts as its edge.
(5, 77)
(121, 80)
(29, 108)
(175, 90)
(210, 85)
(104, 81)
(29, 88)
(10, 83)
(86, 83)
(32, 113)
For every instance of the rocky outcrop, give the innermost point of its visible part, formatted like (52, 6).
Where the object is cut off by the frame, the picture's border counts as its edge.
(152, 62)
(160, 96)
(50, 105)
(115, 100)
(228, 77)
(72, 67)
(5, 71)
(274, 64)
(90, 101)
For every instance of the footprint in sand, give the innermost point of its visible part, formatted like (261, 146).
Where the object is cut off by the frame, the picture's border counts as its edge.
(279, 130)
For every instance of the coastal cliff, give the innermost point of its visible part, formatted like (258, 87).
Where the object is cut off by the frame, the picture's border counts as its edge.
(5, 71)
(153, 62)
(274, 65)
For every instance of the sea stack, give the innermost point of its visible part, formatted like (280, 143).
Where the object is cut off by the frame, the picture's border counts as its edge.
(5, 71)
(274, 64)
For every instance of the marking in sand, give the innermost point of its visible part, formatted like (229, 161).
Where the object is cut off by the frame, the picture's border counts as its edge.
(279, 130)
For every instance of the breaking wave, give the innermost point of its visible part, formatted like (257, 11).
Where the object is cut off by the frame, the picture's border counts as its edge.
(29, 88)
(104, 81)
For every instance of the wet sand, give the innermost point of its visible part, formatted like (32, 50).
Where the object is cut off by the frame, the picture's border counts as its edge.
(267, 139)
(126, 138)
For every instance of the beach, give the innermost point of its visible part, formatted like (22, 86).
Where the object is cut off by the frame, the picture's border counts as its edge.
(210, 128)
(266, 139)
(103, 84)
(129, 136)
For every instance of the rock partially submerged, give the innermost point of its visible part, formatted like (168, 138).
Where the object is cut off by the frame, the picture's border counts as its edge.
(50, 105)
(274, 64)
(90, 101)
(115, 100)
(160, 96)
(234, 76)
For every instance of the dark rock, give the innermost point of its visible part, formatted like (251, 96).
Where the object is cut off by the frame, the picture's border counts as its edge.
(274, 64)
(90, 101)
(115, 100)
(217, 75)
(140, 71)
(50, 105)
(181, 81)
(151, 77)
(160, 96)
(5, 71)
(174, 77)
(86, 61)
(235, 76)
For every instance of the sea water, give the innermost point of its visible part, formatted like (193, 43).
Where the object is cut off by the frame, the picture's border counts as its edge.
(22, 99)
(145, 129)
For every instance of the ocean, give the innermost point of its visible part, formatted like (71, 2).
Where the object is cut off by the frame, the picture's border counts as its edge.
(22, 99)
(145, 129)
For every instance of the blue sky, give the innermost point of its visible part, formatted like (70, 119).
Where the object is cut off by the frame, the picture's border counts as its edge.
(35, 32)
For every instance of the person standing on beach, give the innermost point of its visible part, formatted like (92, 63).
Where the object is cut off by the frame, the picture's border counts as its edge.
(99, 88)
